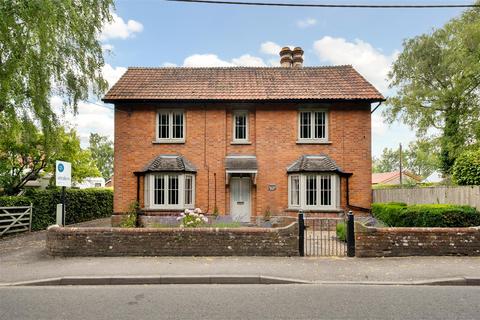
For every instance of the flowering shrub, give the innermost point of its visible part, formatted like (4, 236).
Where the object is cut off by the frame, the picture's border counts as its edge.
(192, 218)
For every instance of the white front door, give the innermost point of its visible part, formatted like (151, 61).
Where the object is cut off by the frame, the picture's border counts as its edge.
(240, 198)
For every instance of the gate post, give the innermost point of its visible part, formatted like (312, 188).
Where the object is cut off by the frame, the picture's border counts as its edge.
(350, 234)
(301, 234)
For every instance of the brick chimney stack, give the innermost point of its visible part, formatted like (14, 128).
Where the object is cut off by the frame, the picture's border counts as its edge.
(297, 57)
(286, 58)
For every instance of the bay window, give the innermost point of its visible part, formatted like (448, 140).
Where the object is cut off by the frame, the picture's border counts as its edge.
(169, 191)
(314, 191)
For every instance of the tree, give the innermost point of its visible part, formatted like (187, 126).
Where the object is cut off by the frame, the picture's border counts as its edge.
(437, 78)
(83, 165)
(466, 170)
(101, 149)
(25, 153)
(389, 161)
(420, 158)
(50, 47)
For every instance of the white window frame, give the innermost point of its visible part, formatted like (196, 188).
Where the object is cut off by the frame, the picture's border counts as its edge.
(312, 139)
(170, 113)
(290, 191)
(237, 113)
(150, 191)
(335, 192)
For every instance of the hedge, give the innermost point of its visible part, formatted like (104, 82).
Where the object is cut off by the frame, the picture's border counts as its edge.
(81, 205)
(426, 215)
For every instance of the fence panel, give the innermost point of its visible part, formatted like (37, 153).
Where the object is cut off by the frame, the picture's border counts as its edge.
(462, 195)
(15, 219)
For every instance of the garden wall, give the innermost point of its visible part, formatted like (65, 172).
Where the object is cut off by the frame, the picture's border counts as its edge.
(244, 241)
(399, 242)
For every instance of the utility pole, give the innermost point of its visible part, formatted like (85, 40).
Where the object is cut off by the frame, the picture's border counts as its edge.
(401, 171)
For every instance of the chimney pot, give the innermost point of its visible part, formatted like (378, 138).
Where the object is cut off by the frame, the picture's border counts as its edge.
(286, 59)
(297, 58)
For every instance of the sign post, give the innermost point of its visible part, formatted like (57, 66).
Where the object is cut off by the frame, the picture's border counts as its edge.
(63, 178)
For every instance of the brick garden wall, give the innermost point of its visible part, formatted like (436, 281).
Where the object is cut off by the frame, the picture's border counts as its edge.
(399, 242)
(173, 241)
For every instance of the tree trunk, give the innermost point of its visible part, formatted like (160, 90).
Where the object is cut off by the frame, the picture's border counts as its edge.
(450, 143)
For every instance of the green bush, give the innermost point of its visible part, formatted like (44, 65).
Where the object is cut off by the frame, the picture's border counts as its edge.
(81, 205)
(426, 215)
(466, 169)
(342, 231)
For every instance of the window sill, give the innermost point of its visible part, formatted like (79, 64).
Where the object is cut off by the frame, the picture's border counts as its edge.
(241, 142)
(326, 210)
(170, 141)
(313, 142)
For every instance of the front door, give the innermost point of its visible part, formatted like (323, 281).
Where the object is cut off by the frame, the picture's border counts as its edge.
(240, 198)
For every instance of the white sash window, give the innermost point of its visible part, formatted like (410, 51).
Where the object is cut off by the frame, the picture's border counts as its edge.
(169, 191)
(314, 191)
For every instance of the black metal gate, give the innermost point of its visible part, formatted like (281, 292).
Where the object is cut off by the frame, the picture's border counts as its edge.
(326, 236)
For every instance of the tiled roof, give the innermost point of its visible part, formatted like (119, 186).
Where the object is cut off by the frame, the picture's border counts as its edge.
(314, 163)
(243, 83)
(383, 177)
(169, 163)
(241, 163)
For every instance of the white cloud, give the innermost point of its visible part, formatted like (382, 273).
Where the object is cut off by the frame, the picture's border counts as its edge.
(305, 23)
(120, 29)
(379, 127)
(212, 60)
(270, 48)
(112, 74)
(248, 60)
(107, 47)
(369, 61)
(169, 64)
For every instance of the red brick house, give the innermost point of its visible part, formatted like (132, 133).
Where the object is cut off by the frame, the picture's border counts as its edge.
(242, 140)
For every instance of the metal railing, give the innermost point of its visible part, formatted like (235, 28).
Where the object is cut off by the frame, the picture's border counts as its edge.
(318, 236)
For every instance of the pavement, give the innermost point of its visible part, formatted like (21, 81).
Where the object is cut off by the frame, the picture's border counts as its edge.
(24, 258)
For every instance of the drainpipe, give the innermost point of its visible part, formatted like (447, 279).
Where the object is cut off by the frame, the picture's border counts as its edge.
(378, 105)
(348, 199)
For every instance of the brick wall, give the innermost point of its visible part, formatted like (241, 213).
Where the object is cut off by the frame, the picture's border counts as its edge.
(273, 135)
(399, 242)
(173, 241)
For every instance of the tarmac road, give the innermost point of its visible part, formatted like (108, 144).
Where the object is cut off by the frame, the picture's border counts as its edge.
(240, 302)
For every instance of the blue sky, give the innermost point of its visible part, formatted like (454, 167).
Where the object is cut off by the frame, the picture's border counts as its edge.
(160, 33)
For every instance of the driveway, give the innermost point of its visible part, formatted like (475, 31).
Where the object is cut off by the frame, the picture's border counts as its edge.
(31, 245)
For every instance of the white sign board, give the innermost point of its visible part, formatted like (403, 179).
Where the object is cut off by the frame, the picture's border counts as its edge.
(63, 174)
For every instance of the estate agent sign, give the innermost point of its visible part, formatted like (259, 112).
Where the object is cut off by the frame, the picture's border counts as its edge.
(63, 178)
(63, 174)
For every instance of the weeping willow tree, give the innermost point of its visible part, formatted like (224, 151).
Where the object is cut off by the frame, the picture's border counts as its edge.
(50, 47)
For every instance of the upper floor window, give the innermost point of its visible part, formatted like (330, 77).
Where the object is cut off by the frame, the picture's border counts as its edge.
(171, 126)
(313, 126)
(240, 126)
(313, 191)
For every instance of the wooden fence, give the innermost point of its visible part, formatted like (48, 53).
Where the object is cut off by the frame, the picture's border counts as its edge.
(464, 195)
(15, 219)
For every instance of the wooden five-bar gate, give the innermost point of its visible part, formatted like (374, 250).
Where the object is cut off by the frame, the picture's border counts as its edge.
(15, 219)
(318, 236)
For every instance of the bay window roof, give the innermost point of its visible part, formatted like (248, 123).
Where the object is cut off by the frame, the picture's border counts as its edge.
(168, 163)
(315, 163)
